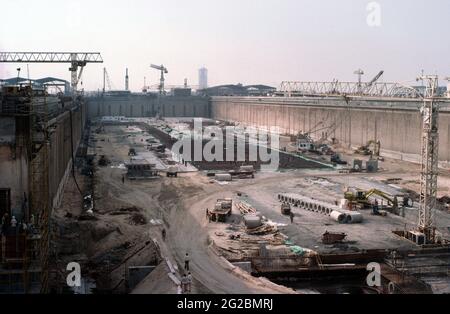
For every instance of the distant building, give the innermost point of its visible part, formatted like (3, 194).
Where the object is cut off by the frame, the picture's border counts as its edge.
(202, 78)
(239, 90)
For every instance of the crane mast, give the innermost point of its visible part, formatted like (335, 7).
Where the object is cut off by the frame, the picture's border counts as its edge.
(429, 159)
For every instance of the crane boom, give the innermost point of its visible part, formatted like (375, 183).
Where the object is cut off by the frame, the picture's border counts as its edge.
(376, 78)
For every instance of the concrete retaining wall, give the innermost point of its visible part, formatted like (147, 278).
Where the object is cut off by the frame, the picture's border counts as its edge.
(396, 123)
(147, 106)
(15, 156)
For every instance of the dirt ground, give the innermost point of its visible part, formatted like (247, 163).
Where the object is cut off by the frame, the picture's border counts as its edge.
(127, 216)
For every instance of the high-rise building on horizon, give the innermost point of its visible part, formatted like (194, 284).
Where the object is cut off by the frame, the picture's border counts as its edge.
(203, 78)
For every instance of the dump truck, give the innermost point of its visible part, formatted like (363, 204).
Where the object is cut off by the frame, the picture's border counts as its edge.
(222, 210)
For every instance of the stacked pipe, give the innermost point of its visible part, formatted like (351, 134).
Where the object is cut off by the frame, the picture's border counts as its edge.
(336, 213)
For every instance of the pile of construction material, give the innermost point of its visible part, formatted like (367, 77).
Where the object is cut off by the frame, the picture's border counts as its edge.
(335, 212)
(255, 223)
(262, 229)
(245, 208)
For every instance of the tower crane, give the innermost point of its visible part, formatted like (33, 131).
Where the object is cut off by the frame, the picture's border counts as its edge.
(106, 81)
(77, 60)
(161, 81)
(429, 158)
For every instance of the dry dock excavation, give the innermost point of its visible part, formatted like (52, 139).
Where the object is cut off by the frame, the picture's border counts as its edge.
(294, 193)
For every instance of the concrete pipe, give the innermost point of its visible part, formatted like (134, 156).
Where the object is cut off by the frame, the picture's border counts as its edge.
(327, 211)
(354, 217)
(223, 177)
(252, 221)
(338, 216)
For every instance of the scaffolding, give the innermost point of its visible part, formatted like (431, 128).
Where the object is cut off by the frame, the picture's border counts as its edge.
(31, 108)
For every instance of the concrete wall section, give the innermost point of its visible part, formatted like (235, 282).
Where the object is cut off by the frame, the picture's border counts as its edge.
(60, 155)
(147, 106)
(15, 159)
(396, 123)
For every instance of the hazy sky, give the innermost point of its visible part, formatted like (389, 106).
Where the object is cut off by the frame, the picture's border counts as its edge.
(247, 41)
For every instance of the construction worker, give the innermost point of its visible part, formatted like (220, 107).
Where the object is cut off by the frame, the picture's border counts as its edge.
(5, 223)
(163, 234)
(375, 208)
(123, 179)
(13, 222)
(189, 282)
(184, 283)
(186, 262)
(395, 204)
(291, 215)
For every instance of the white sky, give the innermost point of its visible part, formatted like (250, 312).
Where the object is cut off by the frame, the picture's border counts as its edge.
(246, 41)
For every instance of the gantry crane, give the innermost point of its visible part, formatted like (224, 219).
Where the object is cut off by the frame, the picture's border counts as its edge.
(161, 81)
(77, 60)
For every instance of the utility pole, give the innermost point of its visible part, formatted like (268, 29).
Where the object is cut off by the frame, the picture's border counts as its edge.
(429, 158)
(126, 80)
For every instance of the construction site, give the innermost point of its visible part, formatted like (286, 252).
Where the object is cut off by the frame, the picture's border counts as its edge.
(306, 189)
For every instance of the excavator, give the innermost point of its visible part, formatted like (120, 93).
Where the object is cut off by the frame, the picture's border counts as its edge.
(361, 199)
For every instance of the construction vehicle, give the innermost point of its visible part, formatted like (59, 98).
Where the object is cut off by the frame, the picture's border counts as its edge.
(336, 159)
(371, 148)
(333, 237)
(172, 172)
(361, 199)
(222, 210)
